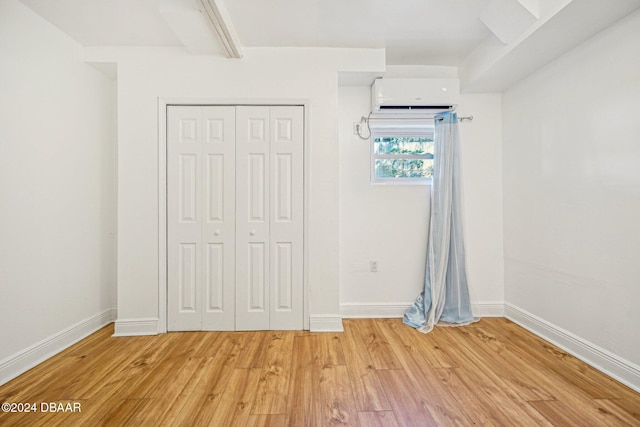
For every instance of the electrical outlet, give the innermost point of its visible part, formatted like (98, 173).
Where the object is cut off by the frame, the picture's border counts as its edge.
(373, 266)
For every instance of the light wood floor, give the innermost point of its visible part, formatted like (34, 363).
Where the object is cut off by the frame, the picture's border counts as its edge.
(378, 373)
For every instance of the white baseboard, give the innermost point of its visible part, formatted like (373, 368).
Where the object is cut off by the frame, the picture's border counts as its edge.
(377, 310)
(135, 327)
(488, 309)
(325, 323)
(616, 367)
(26, 359)
(395, 310)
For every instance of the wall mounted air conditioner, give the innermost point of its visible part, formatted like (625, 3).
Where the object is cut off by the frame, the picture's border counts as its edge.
(422, 96)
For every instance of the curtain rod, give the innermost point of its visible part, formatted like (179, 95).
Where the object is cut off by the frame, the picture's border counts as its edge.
(366, 121)
(461, 119)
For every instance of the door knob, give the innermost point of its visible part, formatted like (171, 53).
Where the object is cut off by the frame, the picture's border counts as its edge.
(217, 232)
(252, 232)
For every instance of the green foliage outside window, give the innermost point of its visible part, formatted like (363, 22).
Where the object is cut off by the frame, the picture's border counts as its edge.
(403, 157)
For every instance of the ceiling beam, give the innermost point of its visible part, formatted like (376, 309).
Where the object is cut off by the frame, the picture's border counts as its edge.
(189, 23)
(220, 20)
(493, 67)
(508, 19)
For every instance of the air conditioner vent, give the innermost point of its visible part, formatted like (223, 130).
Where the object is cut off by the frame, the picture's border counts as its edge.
(430, 96)
(417, 107)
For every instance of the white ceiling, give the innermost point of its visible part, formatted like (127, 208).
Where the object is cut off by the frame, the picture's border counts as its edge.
(461, 33)
(434, 32)
(108, 22)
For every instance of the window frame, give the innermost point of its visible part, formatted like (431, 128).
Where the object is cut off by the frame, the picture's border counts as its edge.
(398, 130)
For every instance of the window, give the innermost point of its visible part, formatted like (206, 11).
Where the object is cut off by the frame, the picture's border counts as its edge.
(402, 154)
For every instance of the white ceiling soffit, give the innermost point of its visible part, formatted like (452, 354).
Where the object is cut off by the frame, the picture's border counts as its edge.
(508, 19)
(203, 26)
(562, 25)
(108, 22)
(190, 25)
(427, 32)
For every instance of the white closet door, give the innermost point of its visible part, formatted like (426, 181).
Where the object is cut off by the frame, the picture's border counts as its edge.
(286, 223)
(219, 221)
(269, 222)
(252, 218)
(235, 218)
(200, 218)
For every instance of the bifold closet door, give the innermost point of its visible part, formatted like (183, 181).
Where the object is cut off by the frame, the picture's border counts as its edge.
(234, 218)
(201, 218)
(269, 217)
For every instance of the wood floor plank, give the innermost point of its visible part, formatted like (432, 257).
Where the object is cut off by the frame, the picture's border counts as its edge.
(91, 342)
(627, 404)
(235, 404)
(561, 413)
(200, 405)
(130, 412)
(98, 408)
(368, 391)
(533, 372)
(437, 392)
(208, 346)
(624, 408)
(381, 353)
(37, 382)
(339, 407)
(377, 419)
(253, 354)
(433, 352)
(262, 420)
(331, 349)
(408, 406)
(518, 373)
(155, 383)
(141, 352)
(77, 364)
(303, 408)
(479, 375)
(558, 362)
(273, 386)
(169, 398)
(131, 376)
(378, 372)
(118, 354)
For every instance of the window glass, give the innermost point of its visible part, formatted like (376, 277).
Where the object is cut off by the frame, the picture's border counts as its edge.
(401, 156)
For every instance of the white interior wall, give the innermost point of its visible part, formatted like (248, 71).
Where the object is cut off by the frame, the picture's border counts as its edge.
(481, 142)
(263, 75)
(57, 185)
(571, 170)
(389, 223)
(385, 223)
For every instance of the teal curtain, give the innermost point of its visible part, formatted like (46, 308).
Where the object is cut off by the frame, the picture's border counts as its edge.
(445, 298)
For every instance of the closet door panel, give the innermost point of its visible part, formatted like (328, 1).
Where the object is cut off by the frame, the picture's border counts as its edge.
(286, 219)
(252, 218)
(200, 218)
(219, 218)
(184, 239)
